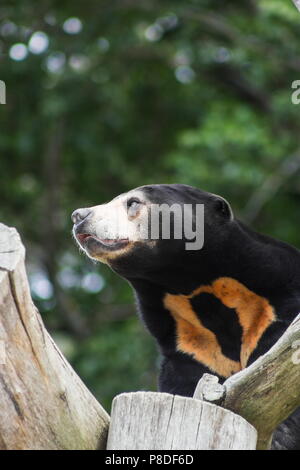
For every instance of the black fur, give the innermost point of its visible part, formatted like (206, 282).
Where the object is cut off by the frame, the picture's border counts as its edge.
(269, 268)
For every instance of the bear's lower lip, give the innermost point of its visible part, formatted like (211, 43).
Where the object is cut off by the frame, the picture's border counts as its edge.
(83, 238)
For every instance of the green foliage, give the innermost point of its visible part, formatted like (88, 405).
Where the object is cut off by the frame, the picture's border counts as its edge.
(122, 363)
(194, 92)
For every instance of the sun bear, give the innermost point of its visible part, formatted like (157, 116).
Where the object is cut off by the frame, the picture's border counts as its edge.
(214, 293)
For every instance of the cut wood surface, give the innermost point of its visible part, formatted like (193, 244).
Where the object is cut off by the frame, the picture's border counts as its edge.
(43, 403)
(160, 421)
(209, 389)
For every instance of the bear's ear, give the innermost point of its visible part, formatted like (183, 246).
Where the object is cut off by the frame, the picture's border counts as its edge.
(223, 208)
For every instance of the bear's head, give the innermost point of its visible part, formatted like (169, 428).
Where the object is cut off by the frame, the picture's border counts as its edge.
(152, 228)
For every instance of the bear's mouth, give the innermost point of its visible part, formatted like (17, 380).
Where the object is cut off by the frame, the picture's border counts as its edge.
(106, 243)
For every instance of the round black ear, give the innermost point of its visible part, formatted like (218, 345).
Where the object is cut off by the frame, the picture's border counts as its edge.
(223, 208)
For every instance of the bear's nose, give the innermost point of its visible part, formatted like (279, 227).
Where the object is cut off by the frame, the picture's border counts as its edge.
(79, 215)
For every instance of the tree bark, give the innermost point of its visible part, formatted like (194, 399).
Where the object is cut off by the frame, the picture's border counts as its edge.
(266, 392)
(43, 403)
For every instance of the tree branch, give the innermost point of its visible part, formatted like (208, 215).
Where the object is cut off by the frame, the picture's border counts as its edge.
(260, 393)
(43, 403)
(271, 186)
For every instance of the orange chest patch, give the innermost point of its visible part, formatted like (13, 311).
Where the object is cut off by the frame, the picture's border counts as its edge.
(254, 314)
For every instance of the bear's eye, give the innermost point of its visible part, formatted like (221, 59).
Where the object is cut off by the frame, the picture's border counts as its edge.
(133, 205)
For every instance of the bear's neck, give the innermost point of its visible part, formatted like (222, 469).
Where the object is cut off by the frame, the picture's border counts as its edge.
(253, 259)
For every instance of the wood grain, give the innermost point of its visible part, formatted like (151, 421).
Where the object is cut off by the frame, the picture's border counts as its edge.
(43, 403)
(160, 421)
(268, 391)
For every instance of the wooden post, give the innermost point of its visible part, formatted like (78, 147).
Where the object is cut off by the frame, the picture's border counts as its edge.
(43, 403)
(160, 421)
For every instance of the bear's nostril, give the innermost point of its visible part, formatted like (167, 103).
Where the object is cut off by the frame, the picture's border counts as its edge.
(79, 215)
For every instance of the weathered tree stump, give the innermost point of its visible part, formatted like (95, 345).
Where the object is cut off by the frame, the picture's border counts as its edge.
(43, 403)
(160, 421)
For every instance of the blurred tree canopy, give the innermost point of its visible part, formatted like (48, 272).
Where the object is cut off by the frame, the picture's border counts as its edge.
(105, 96)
